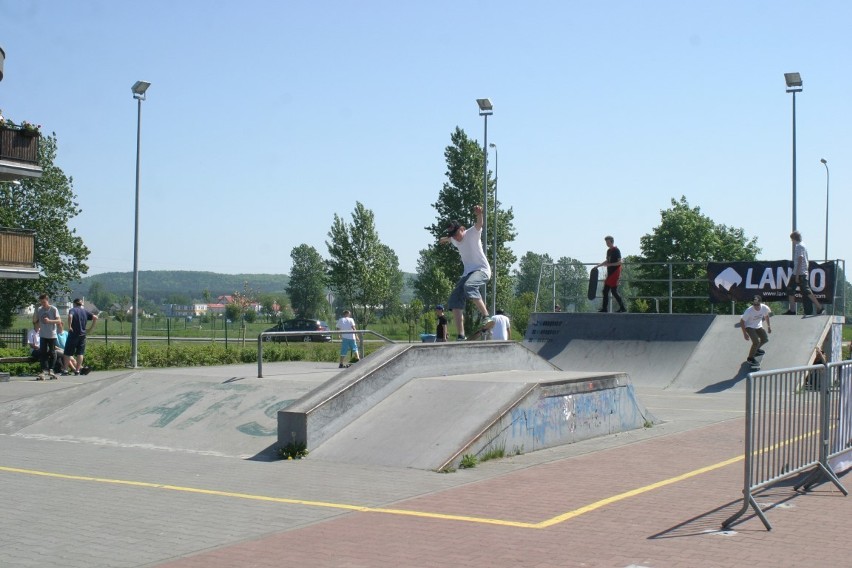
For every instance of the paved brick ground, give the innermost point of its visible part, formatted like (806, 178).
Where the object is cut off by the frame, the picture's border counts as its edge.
(676, 525)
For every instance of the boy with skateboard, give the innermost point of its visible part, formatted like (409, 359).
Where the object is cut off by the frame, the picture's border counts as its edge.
(613, 273)
(751, 323)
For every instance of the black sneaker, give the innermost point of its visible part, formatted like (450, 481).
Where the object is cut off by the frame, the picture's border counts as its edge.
(759, 352)
(603, 311)
(789, 313)
(751, 361)
(820, 312)
(461, 338)
(622, 310)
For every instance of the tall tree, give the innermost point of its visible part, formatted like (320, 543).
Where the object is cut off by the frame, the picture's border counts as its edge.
(535, 275)
(681, 246)
(45, 205)
(307, 282)
(361, 269)
(461, 191)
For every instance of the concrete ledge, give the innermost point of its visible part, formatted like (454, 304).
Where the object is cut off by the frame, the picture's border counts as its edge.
(327, 409)
(560, 412)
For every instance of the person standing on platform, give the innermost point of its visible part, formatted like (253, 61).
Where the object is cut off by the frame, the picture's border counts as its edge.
(441, 331)
(613, 273)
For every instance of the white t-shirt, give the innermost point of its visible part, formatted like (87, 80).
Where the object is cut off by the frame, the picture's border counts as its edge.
(346, 324)
(33, 339)
(754, 318)
(800, 260)
(500, 331)
(470, 249)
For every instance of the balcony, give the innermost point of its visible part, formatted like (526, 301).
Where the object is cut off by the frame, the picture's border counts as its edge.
(18, 153)
(17, 254)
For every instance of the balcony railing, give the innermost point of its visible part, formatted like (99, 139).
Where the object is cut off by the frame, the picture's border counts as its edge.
(17, 254)
(18, 145)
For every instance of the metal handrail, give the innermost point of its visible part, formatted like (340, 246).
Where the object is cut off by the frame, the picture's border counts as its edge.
(359, 332)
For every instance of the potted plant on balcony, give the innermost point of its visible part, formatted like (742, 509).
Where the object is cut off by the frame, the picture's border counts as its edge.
(30, 129)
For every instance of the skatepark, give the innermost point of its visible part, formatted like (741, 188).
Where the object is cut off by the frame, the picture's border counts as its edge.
(377, 433)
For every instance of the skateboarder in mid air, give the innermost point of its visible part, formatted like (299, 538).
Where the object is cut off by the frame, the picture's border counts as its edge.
(752, 325)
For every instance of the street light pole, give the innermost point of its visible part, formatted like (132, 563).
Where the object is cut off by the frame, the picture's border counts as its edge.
(138, 89)
(794, 85)
(825, 163)
(486, 109)
(494, 230)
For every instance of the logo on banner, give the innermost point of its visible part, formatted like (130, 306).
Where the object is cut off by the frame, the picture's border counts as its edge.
(740, 281)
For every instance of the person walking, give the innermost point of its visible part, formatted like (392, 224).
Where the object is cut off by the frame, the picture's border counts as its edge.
(441, 329)
(613, 273)
(347, 343)
(46, 317)
(799, 278)
(75, 347)
(476, 272)
(751, 323)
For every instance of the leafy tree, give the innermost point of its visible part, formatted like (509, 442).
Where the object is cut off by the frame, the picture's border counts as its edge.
(431, 285)
(307, 281)
(456, 199)
(529, 277)
(572, 282)
(361, 270)
(684, 242)
(522, 306)
(45, 205)
(413, 313)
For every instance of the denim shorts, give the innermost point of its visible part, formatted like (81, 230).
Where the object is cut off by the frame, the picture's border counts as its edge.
(467, 288)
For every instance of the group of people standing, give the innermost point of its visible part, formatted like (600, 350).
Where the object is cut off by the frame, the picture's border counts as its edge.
(59, 350)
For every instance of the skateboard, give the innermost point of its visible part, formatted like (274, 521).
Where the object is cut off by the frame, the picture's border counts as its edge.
(593, 283)
(755, 367)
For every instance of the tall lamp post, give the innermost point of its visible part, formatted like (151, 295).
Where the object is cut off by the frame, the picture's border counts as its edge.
(794, 85)
(138, 88)
(486, 109)
(825, 163)
(494, 230)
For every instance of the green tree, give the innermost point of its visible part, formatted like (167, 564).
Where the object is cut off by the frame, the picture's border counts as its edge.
(45, 205)
(413, 314)
(431, 284)
(456, 199)
(362, 271)
(535, 275)
(572, 282)
(684, 242)
(522, 306)
(306, 288)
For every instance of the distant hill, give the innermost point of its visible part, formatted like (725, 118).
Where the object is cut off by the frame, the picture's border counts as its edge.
(158, 285)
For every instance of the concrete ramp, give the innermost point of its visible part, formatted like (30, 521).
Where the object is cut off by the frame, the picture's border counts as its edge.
(432, 423)
(212, 410)
(427, 405)
(702, 353)
(651, 348)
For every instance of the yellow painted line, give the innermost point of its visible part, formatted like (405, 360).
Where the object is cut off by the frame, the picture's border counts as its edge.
(403, 512)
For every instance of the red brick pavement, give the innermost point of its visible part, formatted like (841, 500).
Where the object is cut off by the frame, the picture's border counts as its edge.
(675, 525)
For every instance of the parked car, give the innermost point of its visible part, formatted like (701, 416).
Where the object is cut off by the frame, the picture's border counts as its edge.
(299, 324)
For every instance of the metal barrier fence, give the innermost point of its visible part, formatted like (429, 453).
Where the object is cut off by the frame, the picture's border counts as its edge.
(13, 337)
(264, 336)
(796, 419)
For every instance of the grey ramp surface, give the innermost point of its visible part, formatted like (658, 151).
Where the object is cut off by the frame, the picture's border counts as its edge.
(651, 348)
(702, 353)
(718, 362)
(426, 421)
(204, 410)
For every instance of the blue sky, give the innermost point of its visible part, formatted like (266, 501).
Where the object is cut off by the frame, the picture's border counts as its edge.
(264, 119)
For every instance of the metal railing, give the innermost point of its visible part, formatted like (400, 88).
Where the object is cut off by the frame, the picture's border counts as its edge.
(677, 289)
(792, 419)
(268, 334)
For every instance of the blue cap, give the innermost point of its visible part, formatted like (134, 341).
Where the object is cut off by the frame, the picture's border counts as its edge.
(439, 307)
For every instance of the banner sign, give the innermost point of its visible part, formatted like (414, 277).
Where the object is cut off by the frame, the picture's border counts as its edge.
(740, 281)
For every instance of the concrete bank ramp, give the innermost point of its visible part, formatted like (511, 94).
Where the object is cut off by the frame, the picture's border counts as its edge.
(703, 353)
(427, 405)
(214, 410)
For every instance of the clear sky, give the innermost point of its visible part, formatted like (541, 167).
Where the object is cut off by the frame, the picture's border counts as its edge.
(265, 118)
